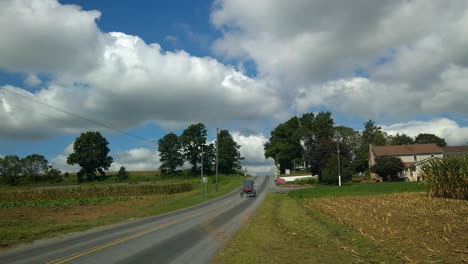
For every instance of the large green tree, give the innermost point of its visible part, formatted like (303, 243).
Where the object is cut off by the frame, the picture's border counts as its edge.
(284, 144)
(229, 156)
(330, 171)
(193, 141)
(323, 126)
(430, 138)
(170, 154)
(90, 151)
(388, 167)
(33, 165)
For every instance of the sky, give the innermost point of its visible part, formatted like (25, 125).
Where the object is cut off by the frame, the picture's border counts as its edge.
(136, 71)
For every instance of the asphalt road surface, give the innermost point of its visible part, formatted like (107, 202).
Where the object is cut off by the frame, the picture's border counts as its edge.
(191, 235)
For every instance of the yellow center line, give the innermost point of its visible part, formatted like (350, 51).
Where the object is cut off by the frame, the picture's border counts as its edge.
(120, 240)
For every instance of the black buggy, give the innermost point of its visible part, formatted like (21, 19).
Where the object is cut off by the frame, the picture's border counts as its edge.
(248, 188)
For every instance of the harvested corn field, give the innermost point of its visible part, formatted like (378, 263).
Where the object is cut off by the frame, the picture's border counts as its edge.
(412, 226)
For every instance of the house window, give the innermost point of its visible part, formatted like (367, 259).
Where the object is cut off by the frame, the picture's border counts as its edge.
(415, 158)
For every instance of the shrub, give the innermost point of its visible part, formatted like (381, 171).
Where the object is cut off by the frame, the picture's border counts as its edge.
(306, 181)
(330, 172)
(447, 177)
(122, 175)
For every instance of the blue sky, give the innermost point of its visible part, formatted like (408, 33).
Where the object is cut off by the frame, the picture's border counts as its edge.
(153, 67)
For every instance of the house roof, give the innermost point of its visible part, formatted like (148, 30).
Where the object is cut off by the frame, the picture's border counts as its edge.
(455, 149)
(407, 149)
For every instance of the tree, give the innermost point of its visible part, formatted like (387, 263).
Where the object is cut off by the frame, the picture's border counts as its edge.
(430, 138)
(307, 138)
(209, 159)
(388, 167)
(53, 174)
(10, 169)
(323, 126)
(324, 151)
(90, 151)
(193, 141)
(122, 175)
(170, 154)
(33, 165)
(284, 145)
(229, 156)
(372, 134)
(330, 171)
(402, 139)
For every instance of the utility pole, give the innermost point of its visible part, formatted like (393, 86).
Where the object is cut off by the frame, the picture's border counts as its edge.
(201, 176)
(217, 141)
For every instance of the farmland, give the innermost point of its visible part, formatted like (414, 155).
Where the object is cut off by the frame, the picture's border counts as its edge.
(358, 223)
(29, 214)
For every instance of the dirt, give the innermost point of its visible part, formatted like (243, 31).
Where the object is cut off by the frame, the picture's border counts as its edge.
(416, 228)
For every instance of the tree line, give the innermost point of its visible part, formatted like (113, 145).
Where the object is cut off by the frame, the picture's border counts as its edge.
(191, 147)
(30, 169)
(309, 143)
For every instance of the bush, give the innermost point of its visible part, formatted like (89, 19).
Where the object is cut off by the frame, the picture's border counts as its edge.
(122, 175)
(306, 181)
(447, 177)
(330, 172)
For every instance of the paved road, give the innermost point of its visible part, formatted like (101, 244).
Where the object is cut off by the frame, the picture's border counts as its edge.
(192, 235)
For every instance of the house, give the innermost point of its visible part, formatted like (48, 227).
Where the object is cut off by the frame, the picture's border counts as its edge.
(455, 151)
(413, 157)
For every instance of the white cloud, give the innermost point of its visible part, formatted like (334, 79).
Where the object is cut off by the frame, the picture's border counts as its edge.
(32, 80)
(315, 47)
(253, 152)
(60, 161)
(445, 128)
(101, 76)
(139, 159)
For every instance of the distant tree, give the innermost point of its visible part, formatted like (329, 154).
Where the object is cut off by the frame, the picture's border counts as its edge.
(388, 167)
(330, 171)
(325, 150)
(33, 165)
(400, 139)
(90, 151)
(122, 175)
(193, 141)
(53, 174)
(229, 156)
(351, 139)
(170, 154)
(430, 138)
(10, 169)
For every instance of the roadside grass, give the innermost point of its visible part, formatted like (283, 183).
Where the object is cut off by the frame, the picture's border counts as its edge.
(282, 231)
(358, 189)
(26, 224)
(355, 223)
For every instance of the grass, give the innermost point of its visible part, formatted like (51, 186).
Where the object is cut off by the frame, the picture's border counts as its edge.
(282, 231)
(355, 223)
(26, 224)
(358, 189)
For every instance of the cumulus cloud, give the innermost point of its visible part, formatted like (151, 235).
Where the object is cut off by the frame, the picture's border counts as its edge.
(114, 78)
(445, 128)
(252, 151)
(32, 80)
(139, 159)
(412, 52)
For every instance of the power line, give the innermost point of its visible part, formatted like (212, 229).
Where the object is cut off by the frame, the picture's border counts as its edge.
(75, 116)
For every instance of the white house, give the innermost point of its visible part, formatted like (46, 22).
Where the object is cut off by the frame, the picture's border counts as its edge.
(413, 157)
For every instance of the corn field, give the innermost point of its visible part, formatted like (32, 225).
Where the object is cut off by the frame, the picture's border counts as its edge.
(85, 195)
(447, 177)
